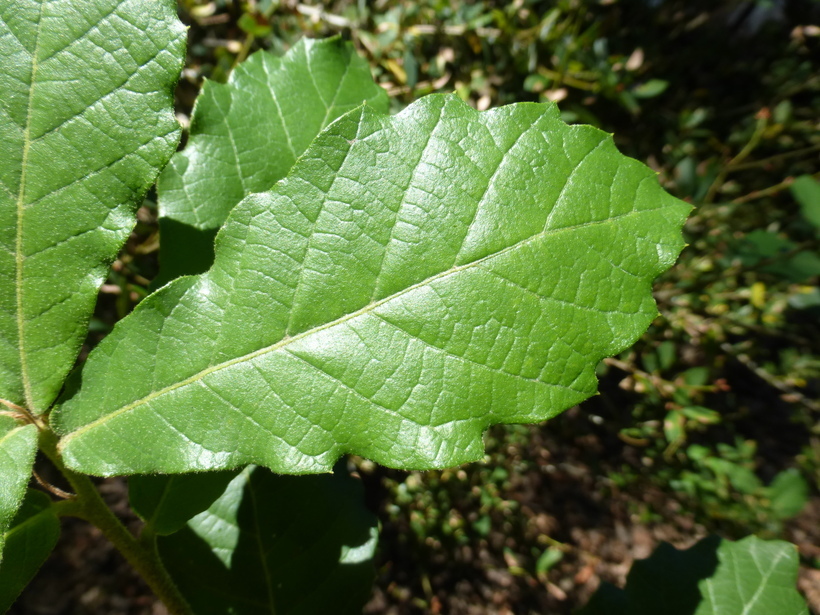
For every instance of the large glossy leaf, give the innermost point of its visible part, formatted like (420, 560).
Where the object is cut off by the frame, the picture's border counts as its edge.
(277, 544)
(18, 444)
(86, 124)
(246, 135)
(715, 577)
(412, 281)
(29, 541)
(166, 502)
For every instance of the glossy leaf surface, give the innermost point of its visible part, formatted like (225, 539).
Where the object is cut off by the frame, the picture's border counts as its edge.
(246, 135)
(413, 280)
(167, 502)
(715, 577)
(290, 545)
(86, 124)
(29, 541)
(18, 444)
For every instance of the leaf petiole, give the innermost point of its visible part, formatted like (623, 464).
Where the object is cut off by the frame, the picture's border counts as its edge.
(89, 505)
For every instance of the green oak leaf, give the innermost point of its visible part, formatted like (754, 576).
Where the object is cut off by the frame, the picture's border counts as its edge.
(413, 280)
(86, 124)
(277, 544)
(166, 502)
(18, 444)
(246, 135)
(29, 541)
(714, 577)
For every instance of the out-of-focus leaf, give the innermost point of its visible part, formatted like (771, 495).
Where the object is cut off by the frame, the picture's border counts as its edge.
(702, 415)
(805, 299)
(290, 545)
(18, 444)
(776, 255)
(548, 559)
(798, 268)
(789, 493)
(86, 124)
(167, 502)
(246, 135)
(29, 541)
(415, 279)
(806, 191)
(741, 477)
(715, 577)
(760, 244)
(674, 426)
(257, 27)
(650, 89)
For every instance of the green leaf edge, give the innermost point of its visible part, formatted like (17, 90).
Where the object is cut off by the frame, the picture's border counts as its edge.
(190, 172)
(13, 488)
(476, 451)
(618, 601)
(48, 532)
(40, 401)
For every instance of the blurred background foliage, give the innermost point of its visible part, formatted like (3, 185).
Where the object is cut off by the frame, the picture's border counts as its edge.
(710, 422)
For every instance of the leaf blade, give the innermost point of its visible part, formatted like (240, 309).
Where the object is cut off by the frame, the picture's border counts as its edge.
(750, 576)
(30, 540)
(81, 82)
(246, 135)
(166, 503)
(402, 293)
(18, 444)
(277, 544)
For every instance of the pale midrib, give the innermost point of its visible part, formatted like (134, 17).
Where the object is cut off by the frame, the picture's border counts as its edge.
(262, 559)
(762, 584)
(21, 526)
(153, 520)
(19, 257)
(368, 308)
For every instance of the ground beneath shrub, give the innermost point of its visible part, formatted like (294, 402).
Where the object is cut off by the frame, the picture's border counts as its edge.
(566, 496)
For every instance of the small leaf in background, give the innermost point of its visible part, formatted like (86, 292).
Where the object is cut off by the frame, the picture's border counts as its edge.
(758, 295)
(740, 477)
(667, 354)
(805, 298)
(167, 502)
(696, 376)
(246, 135)
(18, 444)
(714, 577)
(547, 560)
(650, 89)
(255, 25)
(483, 525)
(86, 124)
(674, 426)
(29, 541)
(701, 415)
(290, 545)
(760, 244)
(777, 256)
(789, 493)
(806, 191)
(414, 279)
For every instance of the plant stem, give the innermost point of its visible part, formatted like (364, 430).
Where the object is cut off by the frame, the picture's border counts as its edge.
(90, 506)
(759, 194)
(776, 158)
(757, 135)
